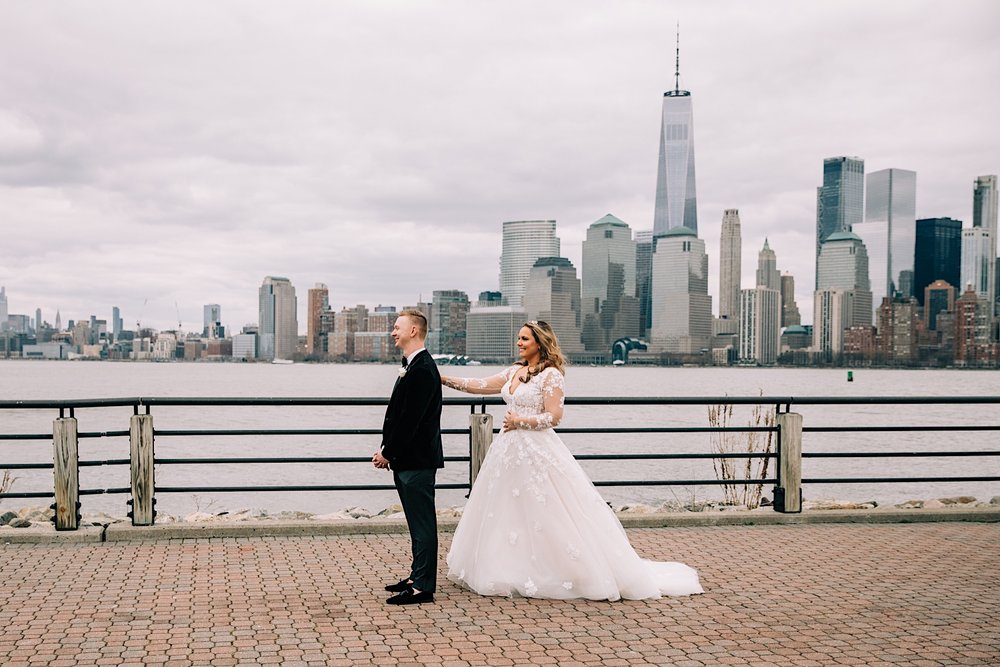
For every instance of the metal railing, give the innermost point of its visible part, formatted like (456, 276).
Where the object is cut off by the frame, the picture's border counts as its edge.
(788, 431)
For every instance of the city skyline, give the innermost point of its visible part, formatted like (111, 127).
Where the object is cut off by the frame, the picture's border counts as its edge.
(257, 143)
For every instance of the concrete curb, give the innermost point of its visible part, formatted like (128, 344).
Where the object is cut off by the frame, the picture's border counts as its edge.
(120, 532)
(735, 518)
(124, 532)
(49, 535)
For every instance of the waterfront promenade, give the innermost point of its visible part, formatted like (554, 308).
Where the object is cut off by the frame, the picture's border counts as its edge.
(920, 594)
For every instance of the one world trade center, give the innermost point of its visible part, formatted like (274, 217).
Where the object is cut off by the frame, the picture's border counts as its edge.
(676, 203)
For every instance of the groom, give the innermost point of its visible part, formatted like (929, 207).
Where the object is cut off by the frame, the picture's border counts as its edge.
(411, 448)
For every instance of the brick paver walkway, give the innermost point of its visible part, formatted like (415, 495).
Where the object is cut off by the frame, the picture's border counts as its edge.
(843, 594)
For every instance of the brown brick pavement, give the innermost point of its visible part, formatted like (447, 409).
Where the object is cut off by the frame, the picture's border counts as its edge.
(804, 595)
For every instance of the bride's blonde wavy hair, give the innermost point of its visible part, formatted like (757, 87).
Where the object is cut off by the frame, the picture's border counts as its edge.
(548, 347)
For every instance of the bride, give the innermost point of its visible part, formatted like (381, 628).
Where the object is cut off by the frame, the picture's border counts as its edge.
(534, 524)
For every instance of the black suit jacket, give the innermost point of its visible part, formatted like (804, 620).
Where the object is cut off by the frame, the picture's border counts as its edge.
(411, 431)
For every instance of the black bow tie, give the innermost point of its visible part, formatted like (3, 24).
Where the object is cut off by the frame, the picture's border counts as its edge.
(405, 362)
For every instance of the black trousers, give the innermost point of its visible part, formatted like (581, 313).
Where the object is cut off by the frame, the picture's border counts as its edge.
(416, 495)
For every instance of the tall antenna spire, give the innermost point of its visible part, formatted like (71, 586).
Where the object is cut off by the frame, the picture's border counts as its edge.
(677, 62)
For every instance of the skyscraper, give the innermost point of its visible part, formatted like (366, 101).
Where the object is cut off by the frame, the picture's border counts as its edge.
(790, 316)
(552, 294)
(317, 303)
(937, 254)
(977, 245)
(644, 279)
(449, 312)
(3, 308)
(984, 214)
(767, 268)
(116, 323)
(843, 265)
(760, 325)
(676, 201)
(839, 200)
(889, 231)
(681, 306)
(524, 241)
(211, 320)
(730, 264)
(278, 326)
(609, 307)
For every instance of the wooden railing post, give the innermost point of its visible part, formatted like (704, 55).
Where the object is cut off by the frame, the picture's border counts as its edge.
(481, 428)
(66, 473)
(788, 496)
(141, 446)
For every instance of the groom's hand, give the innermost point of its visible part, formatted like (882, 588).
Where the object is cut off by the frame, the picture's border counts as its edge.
(380, 461)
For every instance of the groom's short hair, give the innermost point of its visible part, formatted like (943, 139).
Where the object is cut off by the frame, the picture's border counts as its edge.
(419, 320)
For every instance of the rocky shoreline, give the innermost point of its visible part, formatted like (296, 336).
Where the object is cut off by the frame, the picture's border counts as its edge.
(42, 517)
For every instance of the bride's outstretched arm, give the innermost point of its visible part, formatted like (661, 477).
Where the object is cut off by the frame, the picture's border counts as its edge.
(489, 385)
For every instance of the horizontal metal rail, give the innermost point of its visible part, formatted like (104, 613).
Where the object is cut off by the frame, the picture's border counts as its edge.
(686, 482)
(284, 459)
(496, 400)
(780, 403)
(896, 429)
(879, 455)
(880, 480)
(286, 431)
(317, 487)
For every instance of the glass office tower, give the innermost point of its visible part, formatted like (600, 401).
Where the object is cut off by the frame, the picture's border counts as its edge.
(644, 279)
(676, 202)
(938, 254)
(278, 324)
(984, 214)
(890, 231)
(610, 309)
(840, 200)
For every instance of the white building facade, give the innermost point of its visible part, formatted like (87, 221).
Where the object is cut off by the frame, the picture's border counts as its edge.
(524, 242)
(681, 306)
(760, 325)
(730, 264)
(491, 332)
(843, 265)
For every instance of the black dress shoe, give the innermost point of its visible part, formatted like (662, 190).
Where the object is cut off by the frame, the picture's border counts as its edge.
(409, 597)
(400, 586)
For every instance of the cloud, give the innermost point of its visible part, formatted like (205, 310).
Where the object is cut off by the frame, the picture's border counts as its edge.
(179, 152)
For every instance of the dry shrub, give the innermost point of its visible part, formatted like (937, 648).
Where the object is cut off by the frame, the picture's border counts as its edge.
(7, 481)
(738, 475)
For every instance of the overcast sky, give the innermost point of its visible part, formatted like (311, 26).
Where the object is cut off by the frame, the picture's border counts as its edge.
(163, 153)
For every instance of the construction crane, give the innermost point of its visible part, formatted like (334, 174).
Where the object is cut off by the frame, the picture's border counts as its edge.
(138, 322)
(177, 308)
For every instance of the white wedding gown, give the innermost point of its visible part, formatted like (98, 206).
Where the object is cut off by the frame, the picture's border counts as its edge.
(535, 525)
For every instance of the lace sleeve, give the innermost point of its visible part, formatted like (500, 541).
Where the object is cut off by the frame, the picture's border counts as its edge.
(553, 398)
(488, 385)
